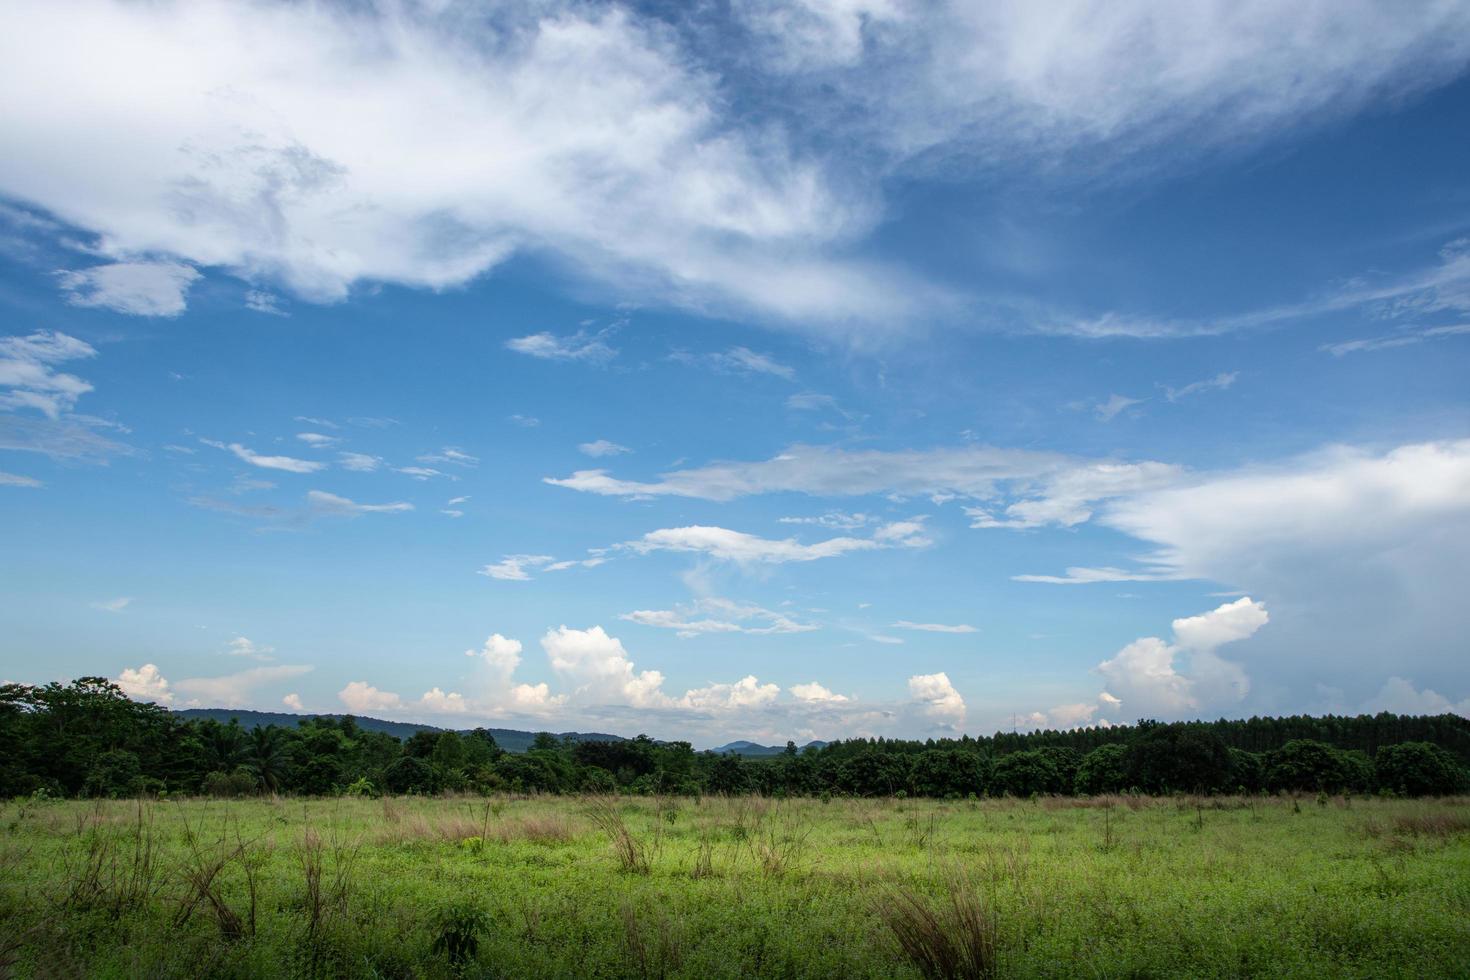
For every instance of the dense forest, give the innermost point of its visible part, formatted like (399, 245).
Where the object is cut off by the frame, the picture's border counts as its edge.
(87, 739)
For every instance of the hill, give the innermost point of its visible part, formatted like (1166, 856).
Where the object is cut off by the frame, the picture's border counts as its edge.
(755, 750)
(510, 739)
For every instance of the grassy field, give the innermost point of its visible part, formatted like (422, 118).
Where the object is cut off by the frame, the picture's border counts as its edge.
(542, 887)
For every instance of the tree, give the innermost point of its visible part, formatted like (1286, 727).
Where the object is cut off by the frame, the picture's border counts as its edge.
(1419, 769)
(1103, 770)
(269, 757)
(1306, 765)
(1175, 758)
(1027, 774)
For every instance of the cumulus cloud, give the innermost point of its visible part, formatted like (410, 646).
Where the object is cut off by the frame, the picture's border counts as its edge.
(816, 693)
(136, 288)
(145, 683)
(1401, 697)
(360, 697)
(715, 615)
(501, 654)
(1144, 675)
(938, 698)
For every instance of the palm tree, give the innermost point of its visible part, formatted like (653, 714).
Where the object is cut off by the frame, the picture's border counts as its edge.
(268, 756)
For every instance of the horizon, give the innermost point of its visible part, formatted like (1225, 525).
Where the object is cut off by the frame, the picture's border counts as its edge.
(795, 371)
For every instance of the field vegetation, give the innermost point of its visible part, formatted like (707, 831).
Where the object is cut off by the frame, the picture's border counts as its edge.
(661, 886)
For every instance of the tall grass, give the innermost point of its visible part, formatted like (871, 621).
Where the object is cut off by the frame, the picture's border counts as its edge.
(950, 940)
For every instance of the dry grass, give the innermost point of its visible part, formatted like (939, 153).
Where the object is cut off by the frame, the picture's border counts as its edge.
(635, 855)
(952, 940)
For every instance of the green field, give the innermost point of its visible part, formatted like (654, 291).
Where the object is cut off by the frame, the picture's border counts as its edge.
(734, 887)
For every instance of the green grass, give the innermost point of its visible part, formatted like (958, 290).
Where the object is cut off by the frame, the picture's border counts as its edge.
(638, 887)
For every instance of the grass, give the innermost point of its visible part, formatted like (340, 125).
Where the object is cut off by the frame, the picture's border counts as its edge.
(647, 887)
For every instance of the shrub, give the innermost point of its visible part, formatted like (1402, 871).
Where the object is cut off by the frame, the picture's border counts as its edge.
(457, 931)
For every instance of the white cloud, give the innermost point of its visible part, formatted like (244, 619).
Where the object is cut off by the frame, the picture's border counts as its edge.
(438, 701)
(330, 504)
(1219, 382)
(113, 605)
(904, 624)
(580, 346)
(831, 471)
(743, 694)
(136, 288)
(236, 690)
(715, 615)
(737, 360)
(737, 546)
(833, 519)
(500, 653)
(146, 683)
(287, 463)
(1403, 338)
(938, 698)
(599, 669)
(28, 378)
(1109, 410)
(817, 694)
(361, 697)
(359, 462)
(17, 480)
(525, 421)
(293, 701)
(420, 473)
(1145, 677)
(260, 301)
(602, 447)
(513, 568)
(451, 455)
(316, 440)
(242, 646)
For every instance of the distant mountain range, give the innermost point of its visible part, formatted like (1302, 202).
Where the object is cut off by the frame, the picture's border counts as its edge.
(756, 750)
(509, 739)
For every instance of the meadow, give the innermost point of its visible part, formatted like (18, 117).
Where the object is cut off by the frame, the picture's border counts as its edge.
(735, 887)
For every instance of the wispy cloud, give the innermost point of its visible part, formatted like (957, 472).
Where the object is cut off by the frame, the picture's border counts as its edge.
(135, 288)
(580, 346)
(904, 624)
(737, 360)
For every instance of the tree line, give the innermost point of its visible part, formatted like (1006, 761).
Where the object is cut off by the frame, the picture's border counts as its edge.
(88, 739)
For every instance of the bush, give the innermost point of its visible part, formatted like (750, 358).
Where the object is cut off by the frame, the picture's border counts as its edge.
(1418, 769)
(241, 782)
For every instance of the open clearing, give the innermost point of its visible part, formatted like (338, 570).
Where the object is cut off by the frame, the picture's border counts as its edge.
(731, 887)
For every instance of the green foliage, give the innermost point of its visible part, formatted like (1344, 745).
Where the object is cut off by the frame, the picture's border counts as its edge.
(1419, 769)
(458, 929)
(1178, 757)
(1103, 770)
(1026, 774)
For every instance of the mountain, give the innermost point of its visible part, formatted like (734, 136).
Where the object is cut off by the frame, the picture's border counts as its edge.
(755, 749)
(510, 739)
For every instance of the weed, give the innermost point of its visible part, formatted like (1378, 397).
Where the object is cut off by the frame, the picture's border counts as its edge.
(954, 941)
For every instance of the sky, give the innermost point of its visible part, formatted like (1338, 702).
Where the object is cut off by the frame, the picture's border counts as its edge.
(770, 369)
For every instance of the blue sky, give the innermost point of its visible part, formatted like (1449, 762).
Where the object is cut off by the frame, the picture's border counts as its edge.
(781, 370)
